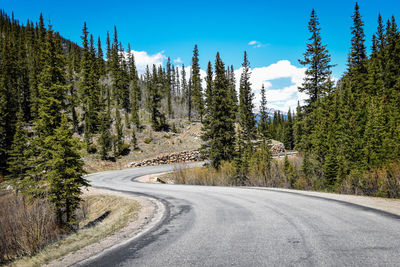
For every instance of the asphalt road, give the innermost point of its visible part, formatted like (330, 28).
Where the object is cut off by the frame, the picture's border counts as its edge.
(227, 226)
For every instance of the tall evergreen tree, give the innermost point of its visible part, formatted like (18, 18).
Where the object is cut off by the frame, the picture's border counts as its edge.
(197, 93)
(157, 117)
(135, 88)
(246, 116)
(168, 88)
(51, 87)
(105, 136)
(288, 132)
(119, 137)
(358, 55)
(263, 122)
(221, 132)
(318, 60)
(64, 174)
(17, 154)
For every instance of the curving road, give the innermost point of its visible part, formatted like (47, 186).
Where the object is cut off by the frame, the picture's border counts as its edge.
(228, 226)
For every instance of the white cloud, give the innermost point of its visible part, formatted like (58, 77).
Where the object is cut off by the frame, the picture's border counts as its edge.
(203, 75)
(178, 60)
(278, 98)
(142, 59)
(255, 44)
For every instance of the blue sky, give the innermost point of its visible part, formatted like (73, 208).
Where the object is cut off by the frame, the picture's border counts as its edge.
(172, 28)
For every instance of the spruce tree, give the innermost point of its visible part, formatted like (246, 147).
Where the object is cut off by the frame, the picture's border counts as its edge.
(105, 136)
(246, 116)
(197, 93)
(89, 86)
(288, 132)
(208, 115)
(221, 132)
(232, 84)
(358, 56)
(135, 88)
(168, 88)
(263, 122)
(317, 58)
(184, 85)
(154, 95)
(119, 137)
(51, 87)
(17, 155)
(64, 174)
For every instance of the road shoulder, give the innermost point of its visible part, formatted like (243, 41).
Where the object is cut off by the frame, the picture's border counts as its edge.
(149, 215)
(390, 206)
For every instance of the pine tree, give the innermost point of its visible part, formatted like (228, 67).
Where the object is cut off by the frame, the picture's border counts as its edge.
(135, 89)
(64, 174)
(17, 155)
(51, 87)
(246, 116)
(263, 122)
(101, 67)
(221, 132)
(330, 168)
(105, 136)
(88, 86)
(168, 88)
(358, 56)
(233, 94)
(197, 93)
(189, 97)
(317, 80)
(119, 138)
(3, 130)
(208, 114)
(288, 132)
(154, 88)
(208, 96)
(298, 128)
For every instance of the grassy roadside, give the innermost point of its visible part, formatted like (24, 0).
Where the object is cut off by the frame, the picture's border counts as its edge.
(122, 211)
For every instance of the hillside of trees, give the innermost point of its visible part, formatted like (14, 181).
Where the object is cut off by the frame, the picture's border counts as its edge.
(58, 98)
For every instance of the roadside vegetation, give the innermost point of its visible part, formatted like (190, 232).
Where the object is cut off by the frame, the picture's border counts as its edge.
(289, 173)
(31, 236)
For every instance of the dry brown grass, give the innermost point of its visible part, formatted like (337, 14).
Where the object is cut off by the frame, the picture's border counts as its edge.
(122, 211)
(258, 175)
(382, 182)
(25, 226)
(204, 175)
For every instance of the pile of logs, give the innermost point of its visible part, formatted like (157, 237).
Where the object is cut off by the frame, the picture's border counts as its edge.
(176, 157)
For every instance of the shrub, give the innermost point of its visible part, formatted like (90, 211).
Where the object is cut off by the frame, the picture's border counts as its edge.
(26, 227)
(382, 182)
(167, 136)
(226, 175)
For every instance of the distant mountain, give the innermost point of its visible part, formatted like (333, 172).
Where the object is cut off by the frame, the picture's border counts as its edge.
(271, 112)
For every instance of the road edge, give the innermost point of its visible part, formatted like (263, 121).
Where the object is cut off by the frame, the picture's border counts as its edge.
(146, 226)
(327, 197)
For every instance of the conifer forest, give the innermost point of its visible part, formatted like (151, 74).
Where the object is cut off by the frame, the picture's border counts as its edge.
(60, 100)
